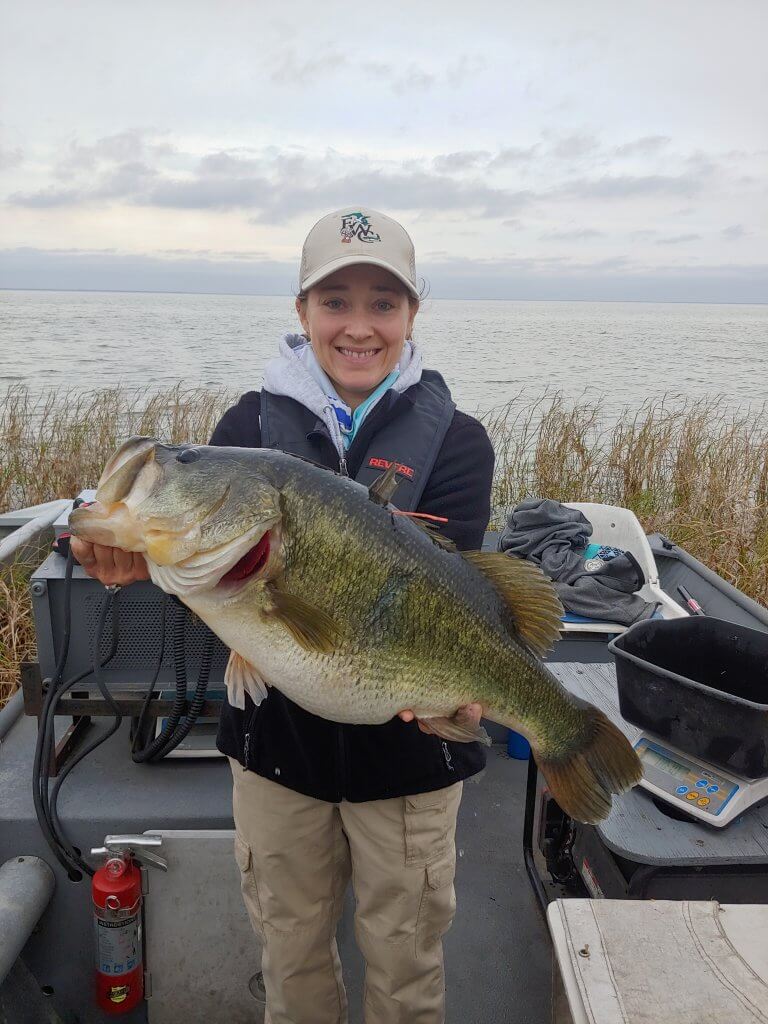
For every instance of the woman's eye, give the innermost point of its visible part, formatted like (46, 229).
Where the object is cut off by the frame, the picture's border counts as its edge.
(384, 306)
(333, 303)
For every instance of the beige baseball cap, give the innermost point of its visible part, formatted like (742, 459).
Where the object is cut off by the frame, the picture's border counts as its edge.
(357, 235)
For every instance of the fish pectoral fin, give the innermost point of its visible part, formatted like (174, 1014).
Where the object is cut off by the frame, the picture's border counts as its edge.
(242, 677)
(311, 627)
(529, 595)
(458, 728)
(384, 486)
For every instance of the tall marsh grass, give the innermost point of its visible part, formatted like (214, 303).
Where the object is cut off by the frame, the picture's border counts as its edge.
(693, 470)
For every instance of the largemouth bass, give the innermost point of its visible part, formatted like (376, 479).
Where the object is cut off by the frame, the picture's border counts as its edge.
(321, 588)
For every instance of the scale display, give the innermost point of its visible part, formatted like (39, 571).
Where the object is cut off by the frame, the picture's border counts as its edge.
(701, 790)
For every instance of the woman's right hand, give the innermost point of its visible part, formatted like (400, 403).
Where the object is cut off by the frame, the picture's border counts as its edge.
(112, 566)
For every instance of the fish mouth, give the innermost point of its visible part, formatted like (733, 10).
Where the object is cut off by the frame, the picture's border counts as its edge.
(100, 523)
(228, 568)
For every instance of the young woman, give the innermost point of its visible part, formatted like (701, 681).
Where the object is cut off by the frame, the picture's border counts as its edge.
(316, 802)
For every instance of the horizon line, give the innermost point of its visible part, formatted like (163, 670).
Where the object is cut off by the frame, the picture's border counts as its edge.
(278, 295)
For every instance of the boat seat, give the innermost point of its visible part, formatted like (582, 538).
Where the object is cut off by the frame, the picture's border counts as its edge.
(619, 527)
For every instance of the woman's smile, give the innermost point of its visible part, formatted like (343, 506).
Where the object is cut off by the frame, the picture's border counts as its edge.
(358, 354)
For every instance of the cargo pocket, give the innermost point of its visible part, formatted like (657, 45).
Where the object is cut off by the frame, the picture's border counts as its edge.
(426, 827)
(248, 886)
(438, 902)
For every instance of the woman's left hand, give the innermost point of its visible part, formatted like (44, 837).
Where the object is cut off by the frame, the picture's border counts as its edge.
(470, 714)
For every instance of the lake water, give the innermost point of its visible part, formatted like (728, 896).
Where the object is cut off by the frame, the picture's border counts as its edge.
(488, 352)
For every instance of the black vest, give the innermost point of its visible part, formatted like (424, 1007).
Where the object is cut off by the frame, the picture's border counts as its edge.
(413, 438)
(281, 741)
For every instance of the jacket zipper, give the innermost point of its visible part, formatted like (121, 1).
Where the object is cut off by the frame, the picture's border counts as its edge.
(341, 768)
(247, 744)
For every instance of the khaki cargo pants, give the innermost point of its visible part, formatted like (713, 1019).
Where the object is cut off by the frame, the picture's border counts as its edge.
(296, 856)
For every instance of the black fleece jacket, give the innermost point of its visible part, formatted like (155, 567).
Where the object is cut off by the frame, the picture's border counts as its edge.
(330, 761)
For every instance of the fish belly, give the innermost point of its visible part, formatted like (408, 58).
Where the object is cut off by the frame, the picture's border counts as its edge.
(355, 686)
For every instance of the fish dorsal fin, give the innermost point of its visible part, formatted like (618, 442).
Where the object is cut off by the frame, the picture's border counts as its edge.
(527, 592)
(384, 486)
(431, 530)
(311, 627)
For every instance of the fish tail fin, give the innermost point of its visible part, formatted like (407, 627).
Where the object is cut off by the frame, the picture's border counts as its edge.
(582, 781)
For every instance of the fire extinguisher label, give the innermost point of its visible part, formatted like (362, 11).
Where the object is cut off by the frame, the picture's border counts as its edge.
(117, 945)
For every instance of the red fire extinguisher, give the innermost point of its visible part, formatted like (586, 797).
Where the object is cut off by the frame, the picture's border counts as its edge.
(117, 908)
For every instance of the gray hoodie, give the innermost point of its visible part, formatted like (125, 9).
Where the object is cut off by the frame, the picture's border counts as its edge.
(297, 374)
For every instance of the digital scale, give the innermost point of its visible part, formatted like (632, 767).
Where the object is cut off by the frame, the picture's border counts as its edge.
(712, 795)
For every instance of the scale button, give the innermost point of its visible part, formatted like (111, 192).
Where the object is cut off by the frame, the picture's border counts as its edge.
(691, 796)
(682, 790)
(713, 789)
(703, 801)
(702, 783)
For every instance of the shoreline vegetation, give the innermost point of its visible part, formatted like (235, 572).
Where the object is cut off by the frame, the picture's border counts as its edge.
(694, 470)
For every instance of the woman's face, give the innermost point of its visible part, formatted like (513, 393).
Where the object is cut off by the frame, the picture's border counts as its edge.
(357, 320)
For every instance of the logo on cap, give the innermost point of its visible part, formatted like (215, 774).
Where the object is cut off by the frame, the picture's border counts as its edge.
(357, 225)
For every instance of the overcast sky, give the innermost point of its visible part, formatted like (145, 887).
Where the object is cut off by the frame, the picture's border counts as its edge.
(555, 149)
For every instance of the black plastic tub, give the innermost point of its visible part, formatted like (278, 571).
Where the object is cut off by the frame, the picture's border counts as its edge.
(701, 684)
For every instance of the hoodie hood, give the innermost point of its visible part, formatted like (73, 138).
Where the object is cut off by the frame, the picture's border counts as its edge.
(297, 374)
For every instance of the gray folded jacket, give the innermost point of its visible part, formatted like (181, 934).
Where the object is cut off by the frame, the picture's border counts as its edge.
(556, 537)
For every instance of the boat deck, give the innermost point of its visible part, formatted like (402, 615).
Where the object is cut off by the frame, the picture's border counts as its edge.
(498, 959)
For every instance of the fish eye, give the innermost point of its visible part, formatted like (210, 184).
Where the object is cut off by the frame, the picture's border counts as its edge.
(188, 455)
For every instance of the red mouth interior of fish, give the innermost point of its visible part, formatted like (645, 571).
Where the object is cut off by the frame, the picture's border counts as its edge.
(253, 561)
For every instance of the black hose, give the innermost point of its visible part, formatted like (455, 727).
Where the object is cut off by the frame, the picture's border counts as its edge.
(43, 743)
(109, 603)
(151, 688)
(160, 744)
(198, 700)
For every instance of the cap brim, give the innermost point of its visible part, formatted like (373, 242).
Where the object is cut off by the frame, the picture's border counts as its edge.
(348, 261)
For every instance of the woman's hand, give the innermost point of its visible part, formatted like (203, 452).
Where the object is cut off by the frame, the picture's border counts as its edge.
(112, 566)
(470, 715)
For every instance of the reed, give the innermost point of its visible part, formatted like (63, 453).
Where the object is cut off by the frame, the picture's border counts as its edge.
(693, 470)
(17, 635)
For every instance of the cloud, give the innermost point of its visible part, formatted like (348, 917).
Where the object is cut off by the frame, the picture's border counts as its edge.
(293, 70)
(646, 146)
(466, 159)
(623, 186)
(391, 190)
(577, 234)
(461, 160)
(227, 163)
(47, 198)
(276, 186)
(230, 254)
(734, 232)
(678, 239)
(10, 158)
(463, 67)
(119, 182)
(410, 78)
(129, 146)
(512, 155)
(575, 146)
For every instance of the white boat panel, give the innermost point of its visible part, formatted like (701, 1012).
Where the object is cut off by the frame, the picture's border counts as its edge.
(201, 951)
(646, 961)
